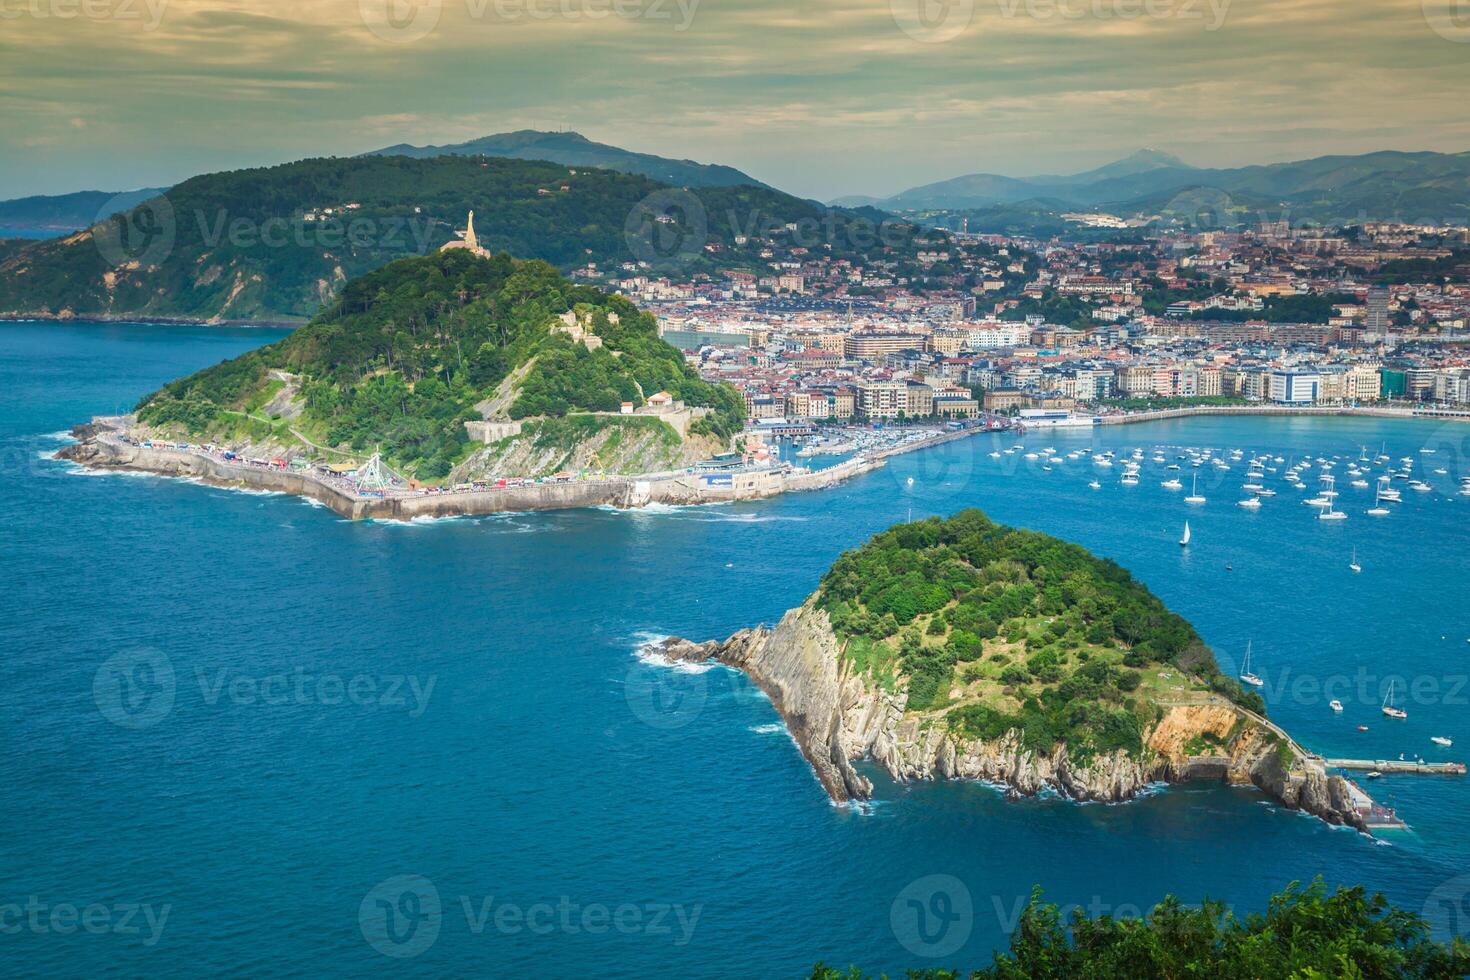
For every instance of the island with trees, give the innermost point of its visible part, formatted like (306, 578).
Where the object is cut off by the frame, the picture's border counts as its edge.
(966, 649)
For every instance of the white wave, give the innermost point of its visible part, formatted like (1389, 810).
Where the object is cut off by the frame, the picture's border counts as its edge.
(77, 469)
(646, 650)
(62, 436)
(775, 728)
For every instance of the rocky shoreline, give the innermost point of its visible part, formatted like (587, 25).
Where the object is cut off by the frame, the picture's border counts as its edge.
(838, 718)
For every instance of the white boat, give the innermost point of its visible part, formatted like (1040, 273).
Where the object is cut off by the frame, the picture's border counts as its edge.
(1335, 705)
(1194, 497)
(1245, 673)
(1354, 563)
(1388, 706)
(1129, 480)
(1095, 485)
(1172, 485)
(1331, 514)
(1441, 740)
(1250, 503)
(1184, 541)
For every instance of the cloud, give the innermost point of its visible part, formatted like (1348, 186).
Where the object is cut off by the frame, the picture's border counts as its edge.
(819, 96)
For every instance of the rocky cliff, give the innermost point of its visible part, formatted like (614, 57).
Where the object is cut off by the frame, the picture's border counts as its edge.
(838, 717)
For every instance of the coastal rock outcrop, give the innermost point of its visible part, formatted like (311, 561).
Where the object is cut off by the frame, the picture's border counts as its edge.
(838, 718)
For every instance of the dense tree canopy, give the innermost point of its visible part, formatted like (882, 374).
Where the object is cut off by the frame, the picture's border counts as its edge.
(1306, 932)
(933, 602)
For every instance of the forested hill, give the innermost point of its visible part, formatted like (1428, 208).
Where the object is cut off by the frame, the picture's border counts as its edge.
(995, 628)
(401, 360)
(277, 243)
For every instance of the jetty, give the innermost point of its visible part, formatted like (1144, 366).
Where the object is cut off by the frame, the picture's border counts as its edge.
(1396, 765)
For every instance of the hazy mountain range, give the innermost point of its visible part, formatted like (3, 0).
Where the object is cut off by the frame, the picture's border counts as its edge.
(576, 150)
(1421, 186)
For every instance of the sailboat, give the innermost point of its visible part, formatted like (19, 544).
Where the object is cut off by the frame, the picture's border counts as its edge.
(1354, 563)
(1246, 674)
(1388, 707)
(1441, 740)
(1331, 513)
(1194, 497)
(1184, 541)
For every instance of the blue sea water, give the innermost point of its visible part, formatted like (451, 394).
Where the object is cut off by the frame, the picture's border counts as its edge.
(337, 749)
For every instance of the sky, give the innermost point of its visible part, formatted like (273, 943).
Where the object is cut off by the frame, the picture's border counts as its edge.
(821, 98)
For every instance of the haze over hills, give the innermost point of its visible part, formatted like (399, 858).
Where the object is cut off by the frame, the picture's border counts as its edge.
(576, 150)
(1424, 186)
(46, 215)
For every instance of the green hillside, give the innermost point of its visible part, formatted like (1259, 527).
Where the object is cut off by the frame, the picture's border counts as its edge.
(259, 244)
(1036, 634)
(402, 358)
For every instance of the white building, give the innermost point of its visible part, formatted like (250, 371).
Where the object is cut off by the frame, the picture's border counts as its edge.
(1294, 387)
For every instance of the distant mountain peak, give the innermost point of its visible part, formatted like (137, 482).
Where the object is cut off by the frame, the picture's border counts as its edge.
(1155, 157)
(575, 150)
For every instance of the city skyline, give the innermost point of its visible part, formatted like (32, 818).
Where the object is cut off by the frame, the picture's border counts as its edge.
(822, 100)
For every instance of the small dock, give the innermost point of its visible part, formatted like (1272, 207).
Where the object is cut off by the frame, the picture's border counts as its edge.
(1395, 765)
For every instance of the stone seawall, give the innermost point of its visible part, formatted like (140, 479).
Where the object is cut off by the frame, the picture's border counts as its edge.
(99, 447)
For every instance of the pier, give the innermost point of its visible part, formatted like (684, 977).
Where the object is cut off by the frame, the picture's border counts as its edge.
(1395, 765)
